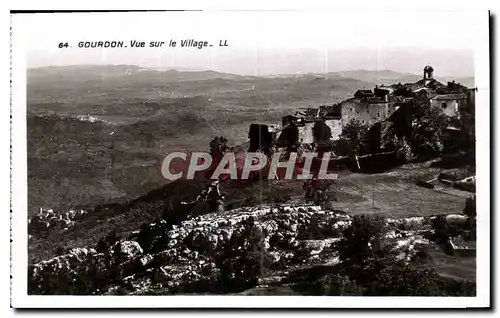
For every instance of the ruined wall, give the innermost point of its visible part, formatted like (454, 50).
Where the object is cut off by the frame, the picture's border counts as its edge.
(260, 137)
(306, 133)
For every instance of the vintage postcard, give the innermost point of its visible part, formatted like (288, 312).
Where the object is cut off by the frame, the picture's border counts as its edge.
(315, 157)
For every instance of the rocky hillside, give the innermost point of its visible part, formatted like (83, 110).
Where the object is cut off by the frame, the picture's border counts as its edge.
(269, 245)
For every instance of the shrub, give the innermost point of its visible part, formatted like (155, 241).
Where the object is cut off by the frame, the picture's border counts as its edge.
(336, 285)
(403, 149)
(470, 206)
(243, 259)
(355, 133)
(444, 229)
(279, 197)
(357, 244)
(319, 192)
(404, 281)
(322, 133)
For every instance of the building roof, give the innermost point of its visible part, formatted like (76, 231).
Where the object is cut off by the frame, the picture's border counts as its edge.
(364, 93)
(365, 101)
(312, 112)
(449, 96)
(385, 88)
(331, 111)
(421, 89)
(428, 68)
(374, 100)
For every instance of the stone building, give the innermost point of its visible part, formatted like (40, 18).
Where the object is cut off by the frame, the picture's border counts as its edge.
(451, 104)
(365, 107)
(304, 123)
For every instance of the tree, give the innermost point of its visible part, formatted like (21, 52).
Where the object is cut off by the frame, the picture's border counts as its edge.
(355, 133)
(321, 133)
(243, 259)
(403, 149)
(403, 91)
(363, 240)
(218, 147)
(466, 138)
(319, 191)
(428, 125)
(470, 206)
(336, 285)
(470, 211)
(289, 137)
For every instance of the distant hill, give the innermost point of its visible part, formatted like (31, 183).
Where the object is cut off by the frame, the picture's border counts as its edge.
(385, 77)
(93, 88)
(131, 72)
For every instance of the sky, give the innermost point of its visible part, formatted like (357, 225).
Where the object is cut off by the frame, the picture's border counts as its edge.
(260, 43)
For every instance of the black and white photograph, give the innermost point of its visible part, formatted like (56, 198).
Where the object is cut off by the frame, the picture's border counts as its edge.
(209, 155)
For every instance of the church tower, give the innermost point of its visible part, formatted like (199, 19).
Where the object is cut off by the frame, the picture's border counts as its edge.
(428, 74)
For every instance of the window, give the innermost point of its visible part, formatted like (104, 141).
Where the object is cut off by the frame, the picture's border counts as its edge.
(444, 105)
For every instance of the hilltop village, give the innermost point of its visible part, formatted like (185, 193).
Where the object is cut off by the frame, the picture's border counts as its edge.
(374, 109)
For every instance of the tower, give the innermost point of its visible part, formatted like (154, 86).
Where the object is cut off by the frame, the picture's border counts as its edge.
(428, 74)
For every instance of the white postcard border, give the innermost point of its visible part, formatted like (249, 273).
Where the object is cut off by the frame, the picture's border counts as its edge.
(19, 218)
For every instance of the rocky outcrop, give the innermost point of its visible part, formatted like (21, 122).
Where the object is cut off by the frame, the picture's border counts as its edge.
(46, 219)
(211, 253)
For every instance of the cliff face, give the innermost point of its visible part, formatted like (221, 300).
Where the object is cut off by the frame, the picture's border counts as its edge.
(212, 253)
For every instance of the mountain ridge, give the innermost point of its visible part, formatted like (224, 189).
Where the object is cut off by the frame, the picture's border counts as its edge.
(376, 77)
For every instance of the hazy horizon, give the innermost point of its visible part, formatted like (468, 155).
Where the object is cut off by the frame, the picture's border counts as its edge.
(446, 63)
